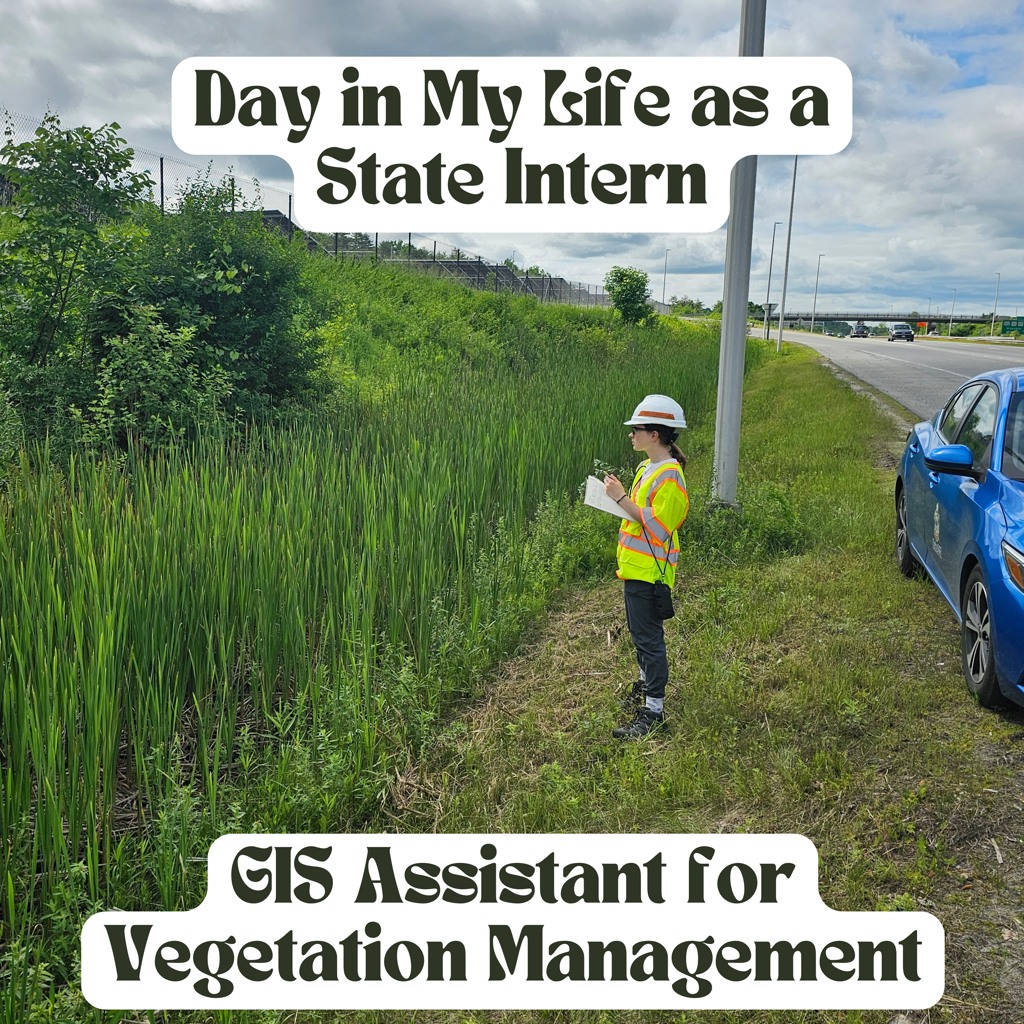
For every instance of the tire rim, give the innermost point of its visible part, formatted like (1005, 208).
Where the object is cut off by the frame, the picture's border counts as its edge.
(901, 525)
(976, 633)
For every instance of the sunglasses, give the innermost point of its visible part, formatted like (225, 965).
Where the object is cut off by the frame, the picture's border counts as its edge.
(633, 430)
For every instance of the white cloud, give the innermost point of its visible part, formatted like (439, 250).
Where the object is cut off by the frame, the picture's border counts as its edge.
(922, 201)
(221, 6)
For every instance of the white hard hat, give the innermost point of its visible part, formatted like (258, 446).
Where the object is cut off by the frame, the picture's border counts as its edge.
(658, 409)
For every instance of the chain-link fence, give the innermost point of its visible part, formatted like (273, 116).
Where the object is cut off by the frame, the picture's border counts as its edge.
(171, 176)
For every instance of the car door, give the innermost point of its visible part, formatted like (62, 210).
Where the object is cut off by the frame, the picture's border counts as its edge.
(960, 501)
(920, 483)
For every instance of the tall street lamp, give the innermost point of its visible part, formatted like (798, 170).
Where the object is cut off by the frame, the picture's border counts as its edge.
(814, 305)
(992, 329)
(785, 269)
(768, 293)
(664, 277)
(949, 333)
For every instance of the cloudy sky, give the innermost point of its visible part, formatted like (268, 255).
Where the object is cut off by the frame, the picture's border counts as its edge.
(925, 199)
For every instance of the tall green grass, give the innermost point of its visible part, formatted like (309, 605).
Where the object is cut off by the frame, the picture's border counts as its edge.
(319, 591)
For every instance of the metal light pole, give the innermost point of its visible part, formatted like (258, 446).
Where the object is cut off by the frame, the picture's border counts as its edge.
(664, 277)
(814, 305)
(513, 259)
(992, 329)
(949, 333)
(768, 292)
(736, 291)
(785, 272)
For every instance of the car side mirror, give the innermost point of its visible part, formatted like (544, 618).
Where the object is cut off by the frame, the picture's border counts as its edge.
(951, 458)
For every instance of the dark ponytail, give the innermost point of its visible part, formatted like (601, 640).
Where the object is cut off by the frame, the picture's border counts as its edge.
(667, 436)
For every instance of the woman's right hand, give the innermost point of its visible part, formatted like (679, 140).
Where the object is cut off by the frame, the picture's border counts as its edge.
(613, 487)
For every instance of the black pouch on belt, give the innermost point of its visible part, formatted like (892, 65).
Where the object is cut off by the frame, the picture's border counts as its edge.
(663, 600)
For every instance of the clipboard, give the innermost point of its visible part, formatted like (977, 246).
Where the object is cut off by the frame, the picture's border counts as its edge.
(595, 497)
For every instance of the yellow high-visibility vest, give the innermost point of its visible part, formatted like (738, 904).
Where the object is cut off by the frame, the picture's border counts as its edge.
(663, 502)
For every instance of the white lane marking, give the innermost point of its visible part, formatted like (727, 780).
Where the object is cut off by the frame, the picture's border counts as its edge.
(939, 369)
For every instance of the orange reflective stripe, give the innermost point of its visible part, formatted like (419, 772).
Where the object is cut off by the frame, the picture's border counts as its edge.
(655, 415)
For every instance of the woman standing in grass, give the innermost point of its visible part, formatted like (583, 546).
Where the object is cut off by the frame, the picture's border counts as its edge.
(648, 549)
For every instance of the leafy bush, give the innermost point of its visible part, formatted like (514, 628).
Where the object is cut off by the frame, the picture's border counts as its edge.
(151, 386)
(67, 185)
(223, 274)
(116, 321)
(628, 290)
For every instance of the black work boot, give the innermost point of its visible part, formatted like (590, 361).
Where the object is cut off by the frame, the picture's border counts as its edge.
(634, 697)
(645, 722)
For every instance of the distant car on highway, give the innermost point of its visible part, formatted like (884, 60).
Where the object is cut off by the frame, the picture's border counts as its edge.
(860, 331)
(901, 332)
(960, 516)
(830, 334)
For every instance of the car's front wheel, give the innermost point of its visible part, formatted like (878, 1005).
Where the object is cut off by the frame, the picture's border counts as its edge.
(976, 652)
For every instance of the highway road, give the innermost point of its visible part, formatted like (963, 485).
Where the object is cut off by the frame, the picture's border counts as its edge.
(919, 374)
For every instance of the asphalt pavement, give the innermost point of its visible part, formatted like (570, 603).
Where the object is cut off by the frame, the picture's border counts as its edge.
(921, 374)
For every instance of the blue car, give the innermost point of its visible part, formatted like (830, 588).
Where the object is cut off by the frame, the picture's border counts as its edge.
(960, 517)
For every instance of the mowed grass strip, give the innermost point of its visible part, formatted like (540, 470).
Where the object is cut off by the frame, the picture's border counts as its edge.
(813, 690)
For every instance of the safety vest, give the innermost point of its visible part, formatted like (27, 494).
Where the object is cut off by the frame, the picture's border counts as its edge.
(663, 503)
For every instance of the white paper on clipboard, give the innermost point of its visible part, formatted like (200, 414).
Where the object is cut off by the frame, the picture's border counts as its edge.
(595, 496)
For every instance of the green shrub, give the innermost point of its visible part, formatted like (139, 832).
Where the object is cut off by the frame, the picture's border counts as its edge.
(629, 293)
(236, 283)
(151, 386)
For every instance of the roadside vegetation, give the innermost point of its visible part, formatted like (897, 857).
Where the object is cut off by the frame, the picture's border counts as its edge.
(814, 690)
(291, 544)
(267, 519)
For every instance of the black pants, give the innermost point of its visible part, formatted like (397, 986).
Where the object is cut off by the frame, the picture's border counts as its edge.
(648, 633)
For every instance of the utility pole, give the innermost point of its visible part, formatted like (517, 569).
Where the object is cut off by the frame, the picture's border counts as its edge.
(736, 294)
(814, 306)
(995, 305)
(785, 272)
(768, 291)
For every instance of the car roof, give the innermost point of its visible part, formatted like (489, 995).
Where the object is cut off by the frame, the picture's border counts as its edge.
(1011, 379)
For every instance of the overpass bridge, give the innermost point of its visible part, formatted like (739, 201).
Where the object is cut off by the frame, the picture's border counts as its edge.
(911, 318)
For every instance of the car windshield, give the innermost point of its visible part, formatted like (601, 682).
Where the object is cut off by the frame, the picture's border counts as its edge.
(1013, 445)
